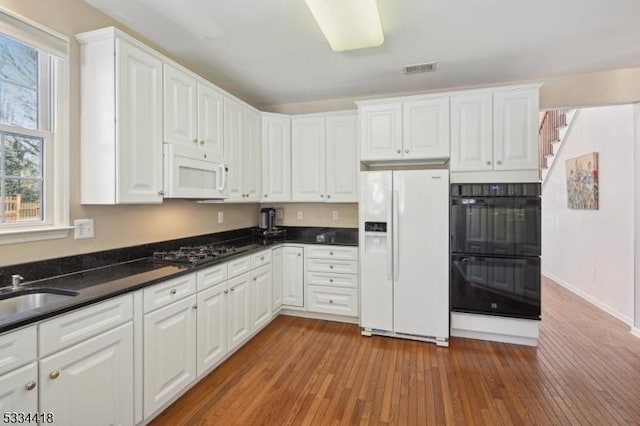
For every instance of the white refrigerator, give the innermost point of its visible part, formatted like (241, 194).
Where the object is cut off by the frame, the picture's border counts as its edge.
(404, 254)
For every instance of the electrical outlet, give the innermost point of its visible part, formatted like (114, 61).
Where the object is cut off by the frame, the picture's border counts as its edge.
(83, 228)
(335, 215)
(300, 215)
(280, 214)
(220, 217)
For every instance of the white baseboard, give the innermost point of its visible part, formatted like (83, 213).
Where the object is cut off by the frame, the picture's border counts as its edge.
(635, 331)
(320, 316)
(589, 298)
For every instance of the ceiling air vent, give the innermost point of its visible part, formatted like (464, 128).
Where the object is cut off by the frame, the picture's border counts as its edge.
(418, 68)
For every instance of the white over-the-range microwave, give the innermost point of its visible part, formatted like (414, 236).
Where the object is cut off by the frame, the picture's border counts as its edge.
(191, 173)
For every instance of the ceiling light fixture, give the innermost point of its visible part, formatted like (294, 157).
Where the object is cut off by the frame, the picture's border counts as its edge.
(348, 24)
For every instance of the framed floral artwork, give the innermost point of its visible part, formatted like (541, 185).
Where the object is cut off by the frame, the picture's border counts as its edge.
(582, 182)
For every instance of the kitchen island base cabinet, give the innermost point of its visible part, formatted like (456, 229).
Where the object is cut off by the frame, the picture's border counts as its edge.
(169, 352)
(18, 390)
(90, 383)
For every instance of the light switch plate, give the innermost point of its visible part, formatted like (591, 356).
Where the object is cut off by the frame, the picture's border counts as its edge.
(83, 228)
(220, 217)
(335, 215)
(300, 215)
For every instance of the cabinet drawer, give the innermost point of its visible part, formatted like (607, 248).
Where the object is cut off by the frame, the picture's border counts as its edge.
(332, 300)
(332, 252)
(17, 348)
(239, 266)
(169, 291)
(211, 276)
(335, 266)
(260, 259)
(333, 280)
(77, 326)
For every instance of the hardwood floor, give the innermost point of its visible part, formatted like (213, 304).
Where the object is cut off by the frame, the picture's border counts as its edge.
(586, 370)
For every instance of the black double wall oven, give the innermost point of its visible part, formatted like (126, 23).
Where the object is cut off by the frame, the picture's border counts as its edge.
(495, 249)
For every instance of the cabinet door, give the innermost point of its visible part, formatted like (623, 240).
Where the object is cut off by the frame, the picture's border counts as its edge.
(91, 382)
(210, 136)
(179, 107)
(276, 158)
(239, 310)
(276, 279)
(292, 276)
(18, 390)
(212, 327)
(138, 125)
(342, 159)
(515, 130)
(426, 128)
(380, 132)
(260, 297)
(169, 352)
(252, 156)
(471, 133)
(307, 159)
(233, 112)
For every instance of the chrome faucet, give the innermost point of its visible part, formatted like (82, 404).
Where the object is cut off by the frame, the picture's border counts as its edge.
(15, 281)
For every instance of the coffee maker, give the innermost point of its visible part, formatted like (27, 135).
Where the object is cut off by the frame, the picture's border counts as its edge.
(267, 229)
(267, 219)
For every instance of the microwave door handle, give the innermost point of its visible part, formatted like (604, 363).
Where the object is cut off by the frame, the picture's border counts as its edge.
(223, 177)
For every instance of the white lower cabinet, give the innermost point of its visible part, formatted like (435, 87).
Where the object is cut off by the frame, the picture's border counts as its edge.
(91, 382)
(332, 300)
(276, 280)
(18, 390)
(212, 326)
(260, 297)
(292, 276)
(239, 310)
(169, 352)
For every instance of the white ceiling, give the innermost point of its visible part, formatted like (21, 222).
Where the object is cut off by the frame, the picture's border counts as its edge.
(271, 52)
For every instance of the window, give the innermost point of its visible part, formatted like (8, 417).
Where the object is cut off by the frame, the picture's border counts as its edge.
(33, 136)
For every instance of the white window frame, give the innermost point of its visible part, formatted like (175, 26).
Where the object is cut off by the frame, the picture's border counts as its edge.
(56, 141)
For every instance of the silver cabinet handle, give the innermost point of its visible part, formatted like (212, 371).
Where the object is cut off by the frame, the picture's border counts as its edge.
(205, 155)
(265, 195)
(330, 280)
(330, 301)
(330, 253)
(255, 278)
(173, 291)
(233, 288)
(399, 151)
(54, 374)
(329, 196)
(321, 195)
(226, 292)
(488, 163)
(299, 255)
(194, 306)
(160, 192)
(195, 140)
(30, 386)
(202, 142)
(261, 257)
(330, 266)
(499, 162)
(406, 150)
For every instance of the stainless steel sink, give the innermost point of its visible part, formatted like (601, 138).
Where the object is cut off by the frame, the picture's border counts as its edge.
(23, 300)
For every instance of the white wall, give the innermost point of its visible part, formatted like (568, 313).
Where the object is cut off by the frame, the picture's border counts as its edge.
(591, 251)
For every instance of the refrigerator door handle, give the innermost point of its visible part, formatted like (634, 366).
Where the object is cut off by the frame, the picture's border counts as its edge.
(390, 233)
(396, 232)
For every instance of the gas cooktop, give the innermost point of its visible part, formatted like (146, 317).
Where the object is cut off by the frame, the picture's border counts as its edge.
(197, 255)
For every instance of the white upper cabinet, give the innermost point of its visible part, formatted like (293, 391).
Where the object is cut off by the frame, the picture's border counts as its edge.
(308, 158)
(233, 113)
(515, 130)
(425, 128)
(210, 135)
(192, 112)
(471, 132)
(381, 131)
(494, 135)
(121, 122)
(252, 156)
(242, 132)
(276, 157)
(342, 158)
(180, 92)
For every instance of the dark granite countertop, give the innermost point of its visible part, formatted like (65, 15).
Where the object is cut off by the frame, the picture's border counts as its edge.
(107, 281)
